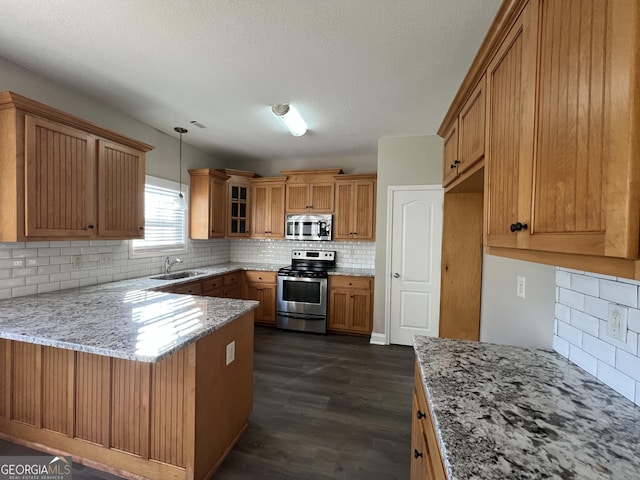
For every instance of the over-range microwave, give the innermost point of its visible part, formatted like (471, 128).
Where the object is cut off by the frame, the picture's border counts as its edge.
(308, 227)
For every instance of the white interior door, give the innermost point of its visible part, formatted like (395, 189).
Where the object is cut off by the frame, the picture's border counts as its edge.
(415, 248)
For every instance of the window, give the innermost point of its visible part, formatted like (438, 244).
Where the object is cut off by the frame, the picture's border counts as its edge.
(165, 225)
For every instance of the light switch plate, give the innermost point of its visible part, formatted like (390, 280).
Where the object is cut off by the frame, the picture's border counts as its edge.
(231, 352)
(617, 322)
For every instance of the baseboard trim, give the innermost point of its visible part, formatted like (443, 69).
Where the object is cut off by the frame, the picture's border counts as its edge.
(378, 339)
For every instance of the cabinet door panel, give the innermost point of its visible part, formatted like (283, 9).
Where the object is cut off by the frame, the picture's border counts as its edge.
(217, 208)
(276, 211)
(260, 216)
(297, 198)
(60, 172)
(322, 197)
(338, 310)
(121, 173)
(364, 211)
(360, 311)
(450, 171)
(510, 100)
(471, 128)
(342, 220)
(582, 193)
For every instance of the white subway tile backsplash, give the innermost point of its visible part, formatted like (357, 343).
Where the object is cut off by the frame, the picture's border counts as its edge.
(599, 349)
(572, 299)
(584, 340)
(48, 287)
(619, 292)
(628, 364)
(5, 293)
(60, 277)
(569, 333)
(561, 346)
(583, 360)
(585, 284)
(26, 290)
(12, 282)
(617, 380)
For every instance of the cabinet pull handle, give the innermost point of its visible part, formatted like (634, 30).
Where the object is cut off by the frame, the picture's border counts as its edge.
(141, 228)
(416, 453)
(516, 227)
(420, 414)
(90, 227)
(456, 162)
(452, 166)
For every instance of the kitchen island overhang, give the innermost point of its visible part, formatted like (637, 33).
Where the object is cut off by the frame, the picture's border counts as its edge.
(151, 393)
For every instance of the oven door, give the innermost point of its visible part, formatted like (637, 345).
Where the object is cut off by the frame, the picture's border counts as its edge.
(304, 296)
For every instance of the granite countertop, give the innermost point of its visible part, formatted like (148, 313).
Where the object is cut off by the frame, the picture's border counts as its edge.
(505, 412)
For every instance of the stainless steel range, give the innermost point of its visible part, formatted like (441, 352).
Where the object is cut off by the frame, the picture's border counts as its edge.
(302, 291)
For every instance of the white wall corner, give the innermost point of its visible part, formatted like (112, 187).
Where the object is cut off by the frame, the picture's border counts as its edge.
(378, 339)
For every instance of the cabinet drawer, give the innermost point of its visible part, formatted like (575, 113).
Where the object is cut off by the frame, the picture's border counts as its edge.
(261, 277)
(363, 283)
(211, 283)
(231, 279)
(214, 292)
(193, 288)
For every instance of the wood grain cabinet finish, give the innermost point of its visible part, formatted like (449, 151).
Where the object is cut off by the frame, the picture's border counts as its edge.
(268, 207)
(207, 204)
(238, 222)
(65, 178)
(310, 191)
(176, 419)
(350, 305)
(464, 142)
(426, 458)
(262, 286)
(355, 211)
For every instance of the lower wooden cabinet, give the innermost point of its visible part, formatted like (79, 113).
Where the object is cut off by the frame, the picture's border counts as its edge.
(426, 458)
(350, 305)
(232, 285)
(262, 286)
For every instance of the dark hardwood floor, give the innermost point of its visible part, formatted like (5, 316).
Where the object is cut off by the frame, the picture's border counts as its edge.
(325, 407)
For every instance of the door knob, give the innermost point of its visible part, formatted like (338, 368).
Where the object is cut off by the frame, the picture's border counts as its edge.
(396, 275)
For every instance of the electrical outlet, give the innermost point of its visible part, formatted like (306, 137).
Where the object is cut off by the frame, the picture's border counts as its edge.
(18, 263)
(105, 260)
(76, 261)
(32, 262)
(520, 287)
(231, 352)
(617, 322)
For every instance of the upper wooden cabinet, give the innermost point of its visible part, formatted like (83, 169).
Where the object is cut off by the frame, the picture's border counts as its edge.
(560, 168)
(207, 205)
(267, 212)
(238, 202)
(310, 191)
(464, 141)
(355, 211)
(64, 178)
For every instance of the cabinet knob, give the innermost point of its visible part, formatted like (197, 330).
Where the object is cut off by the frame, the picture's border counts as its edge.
(416, 453)
(420, 414)
(516, 227)
(141, 228)
(90, 227)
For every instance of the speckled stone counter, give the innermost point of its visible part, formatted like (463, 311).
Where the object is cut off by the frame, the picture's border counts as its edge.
(514, 413)
(353, 272)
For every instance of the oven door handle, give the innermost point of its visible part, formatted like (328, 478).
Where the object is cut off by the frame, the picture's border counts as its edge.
(301, 317)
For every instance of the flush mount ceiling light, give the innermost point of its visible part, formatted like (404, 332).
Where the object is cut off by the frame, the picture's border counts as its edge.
(291, 119)
(180, 202)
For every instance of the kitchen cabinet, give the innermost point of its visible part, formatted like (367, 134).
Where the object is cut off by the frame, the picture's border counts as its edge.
(350, 305)
(238, 202)
(207, 204)
(262, 286)
(66, 179)
(310, 191)
(232, 285)
(212, 286)
(426, 458)
(268, 202)
(355, 211)
(190, 288)
(464, 141)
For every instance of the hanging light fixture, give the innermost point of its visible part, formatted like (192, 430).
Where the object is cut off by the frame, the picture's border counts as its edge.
(180, 201)
(291, 119)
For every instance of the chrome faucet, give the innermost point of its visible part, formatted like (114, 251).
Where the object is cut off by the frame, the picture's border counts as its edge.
(168, 263)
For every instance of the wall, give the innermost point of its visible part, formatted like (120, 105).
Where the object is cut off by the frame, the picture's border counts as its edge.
(508, 319)
(401, 161)
(273, 167)
(39, 267)
(161, 162)
(278, 252)
(580, 331)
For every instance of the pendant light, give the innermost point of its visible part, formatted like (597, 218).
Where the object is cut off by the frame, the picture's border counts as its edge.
(180, 201)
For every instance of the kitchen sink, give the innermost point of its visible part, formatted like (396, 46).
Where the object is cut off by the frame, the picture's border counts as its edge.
(178, 275)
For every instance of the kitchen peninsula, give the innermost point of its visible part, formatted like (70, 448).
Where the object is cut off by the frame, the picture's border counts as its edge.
(141, 383)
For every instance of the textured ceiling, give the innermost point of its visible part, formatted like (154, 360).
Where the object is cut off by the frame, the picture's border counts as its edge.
(357, 70)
